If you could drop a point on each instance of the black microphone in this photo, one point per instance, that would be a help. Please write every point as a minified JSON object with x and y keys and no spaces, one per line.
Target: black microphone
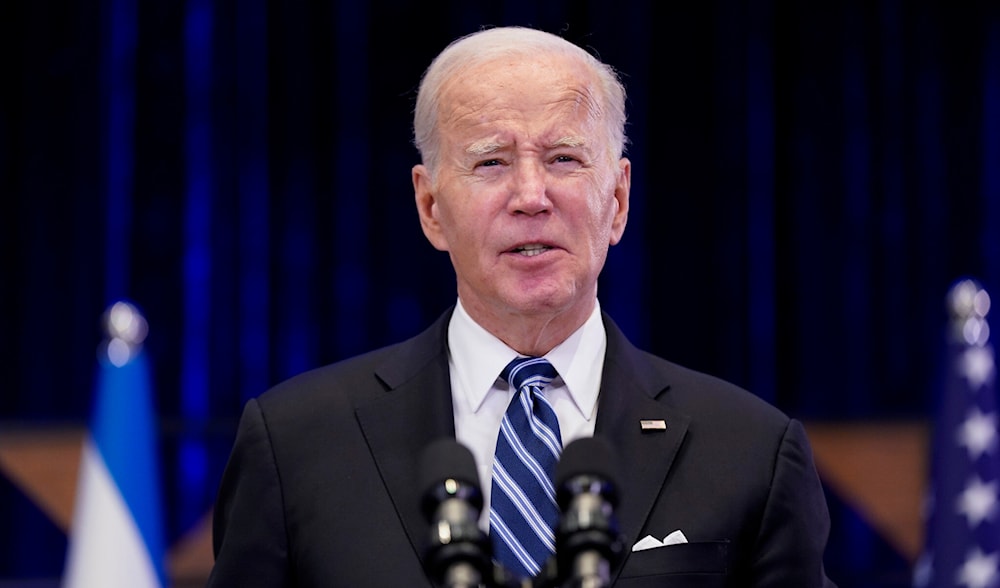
{"x":458,"y":555}
{"x":588,"y":544}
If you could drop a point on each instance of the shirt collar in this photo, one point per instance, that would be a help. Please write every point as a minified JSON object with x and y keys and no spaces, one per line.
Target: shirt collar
{"x":478,"y":357}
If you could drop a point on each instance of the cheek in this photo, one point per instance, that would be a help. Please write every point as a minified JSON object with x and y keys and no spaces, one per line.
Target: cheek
{"x":602,"y":213}
{"x":464,"y":232}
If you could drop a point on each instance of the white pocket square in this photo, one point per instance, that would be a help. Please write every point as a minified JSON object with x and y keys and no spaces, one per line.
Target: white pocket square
{"x":650,"y":542}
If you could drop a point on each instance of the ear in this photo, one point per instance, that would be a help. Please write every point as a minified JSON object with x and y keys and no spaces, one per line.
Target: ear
{"x":622,"y":187}
{"x":427,"y":207}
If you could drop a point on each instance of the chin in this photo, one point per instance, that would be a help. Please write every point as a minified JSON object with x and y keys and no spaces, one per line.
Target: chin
{"x":541,"y":302}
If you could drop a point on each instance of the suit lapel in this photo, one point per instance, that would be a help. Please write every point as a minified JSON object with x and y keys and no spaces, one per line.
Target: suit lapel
{"x":398,"y":425}
{"x":630,"y":388}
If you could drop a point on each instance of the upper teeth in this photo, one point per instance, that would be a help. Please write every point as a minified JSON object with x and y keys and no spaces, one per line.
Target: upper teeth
{"x":531,"y":250}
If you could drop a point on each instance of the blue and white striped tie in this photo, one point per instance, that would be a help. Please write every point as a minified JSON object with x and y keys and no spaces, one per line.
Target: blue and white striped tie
{"x":523,"y":510}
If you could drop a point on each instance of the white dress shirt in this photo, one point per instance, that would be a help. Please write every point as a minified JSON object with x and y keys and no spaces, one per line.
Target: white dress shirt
{"x":480,"y":397}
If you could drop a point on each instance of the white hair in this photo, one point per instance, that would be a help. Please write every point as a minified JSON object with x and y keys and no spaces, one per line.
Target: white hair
{"x":488,"y":44}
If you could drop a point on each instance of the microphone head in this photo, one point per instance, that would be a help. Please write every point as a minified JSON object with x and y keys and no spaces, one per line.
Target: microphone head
{"x":590,"y":461}
{"x":457,"y":548}
{"x":448,"y":469}
{"x":588,"y":545}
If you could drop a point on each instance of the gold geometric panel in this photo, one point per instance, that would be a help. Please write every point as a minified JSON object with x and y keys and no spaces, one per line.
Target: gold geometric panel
{"x":44,"y":464}
{"x":878,"y":468}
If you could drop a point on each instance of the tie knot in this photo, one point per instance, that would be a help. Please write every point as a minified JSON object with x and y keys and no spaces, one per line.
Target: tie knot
{"x":528,"y":371}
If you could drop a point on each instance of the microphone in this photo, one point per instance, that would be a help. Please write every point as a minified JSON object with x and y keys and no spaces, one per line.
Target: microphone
{"x":458,"y":555}
{"x":588,"y":545}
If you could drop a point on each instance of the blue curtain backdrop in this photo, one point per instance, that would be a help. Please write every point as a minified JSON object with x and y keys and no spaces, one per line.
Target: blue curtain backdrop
{"x":809,"y":179}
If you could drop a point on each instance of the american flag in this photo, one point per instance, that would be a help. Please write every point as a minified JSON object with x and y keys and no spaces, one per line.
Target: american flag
{"x":962,"y":545}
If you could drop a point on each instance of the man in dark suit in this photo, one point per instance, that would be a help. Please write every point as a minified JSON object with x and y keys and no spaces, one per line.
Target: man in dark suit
{"x":523,"y":182}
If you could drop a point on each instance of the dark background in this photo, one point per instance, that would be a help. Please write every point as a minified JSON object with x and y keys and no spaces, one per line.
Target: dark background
{"x":809,"y":179}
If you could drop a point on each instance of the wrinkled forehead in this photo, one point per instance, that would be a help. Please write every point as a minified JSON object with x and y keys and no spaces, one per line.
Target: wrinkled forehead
{"x":511,"y":87}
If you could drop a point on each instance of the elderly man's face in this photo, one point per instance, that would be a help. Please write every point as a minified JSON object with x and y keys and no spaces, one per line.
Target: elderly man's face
{"x":529,"y":193}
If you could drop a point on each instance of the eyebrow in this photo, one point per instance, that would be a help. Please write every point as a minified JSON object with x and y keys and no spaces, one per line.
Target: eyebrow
{"x":570,"y":141}
{"x":483,"y":147}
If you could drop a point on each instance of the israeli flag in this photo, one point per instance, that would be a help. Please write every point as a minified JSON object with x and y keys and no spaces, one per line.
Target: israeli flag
{"x":116,"y":538}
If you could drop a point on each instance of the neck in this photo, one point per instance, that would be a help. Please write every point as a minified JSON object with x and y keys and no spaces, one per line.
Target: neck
{"x":532,"y":334}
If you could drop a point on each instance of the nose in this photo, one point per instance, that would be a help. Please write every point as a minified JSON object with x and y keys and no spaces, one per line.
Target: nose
{"x":529,"y":193}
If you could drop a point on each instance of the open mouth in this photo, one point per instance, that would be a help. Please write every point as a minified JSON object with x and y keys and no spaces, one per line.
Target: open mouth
{"x":531,"y":250}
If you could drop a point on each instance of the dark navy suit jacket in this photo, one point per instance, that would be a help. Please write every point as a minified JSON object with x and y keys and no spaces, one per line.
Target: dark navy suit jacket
{"x":321,"y":487}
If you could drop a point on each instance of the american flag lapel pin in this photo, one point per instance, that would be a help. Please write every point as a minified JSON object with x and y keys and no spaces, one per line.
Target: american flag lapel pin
{"x":653,"y":425}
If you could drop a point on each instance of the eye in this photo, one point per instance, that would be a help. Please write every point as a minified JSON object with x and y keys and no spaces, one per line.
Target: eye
{"x":564,"y":159}
{"x":489,"y":163}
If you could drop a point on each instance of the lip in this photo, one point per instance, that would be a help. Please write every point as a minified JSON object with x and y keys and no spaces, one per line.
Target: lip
{"x":545,"y":245}
{"x":540,"y":247}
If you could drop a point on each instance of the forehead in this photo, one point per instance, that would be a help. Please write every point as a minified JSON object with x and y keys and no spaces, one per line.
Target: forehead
{"x":520,"y":90}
